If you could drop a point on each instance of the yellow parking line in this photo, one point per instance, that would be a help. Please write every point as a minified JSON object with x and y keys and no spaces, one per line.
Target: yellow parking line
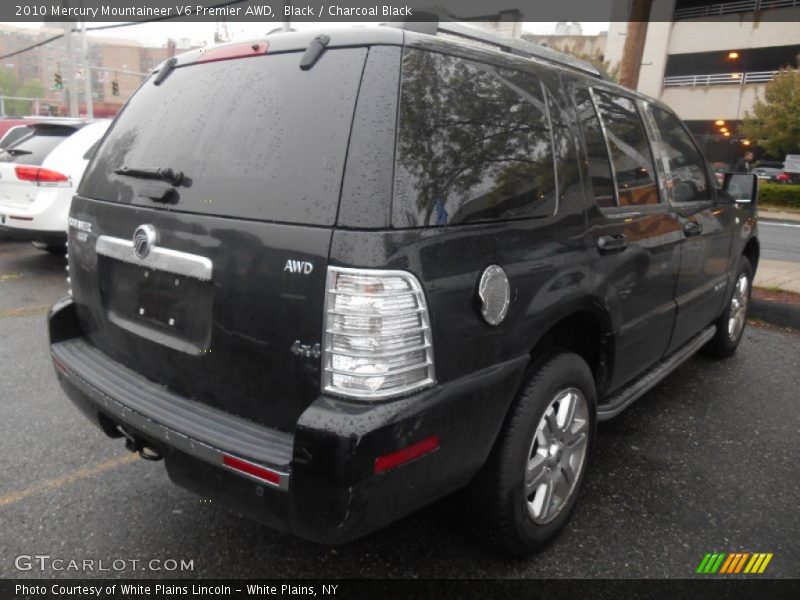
{"x":26,"y":311}
{"x":66,"y":479}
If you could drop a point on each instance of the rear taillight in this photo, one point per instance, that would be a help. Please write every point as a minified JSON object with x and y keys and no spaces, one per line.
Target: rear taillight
{"x":377,"y":341}
{"x":40,"y":175}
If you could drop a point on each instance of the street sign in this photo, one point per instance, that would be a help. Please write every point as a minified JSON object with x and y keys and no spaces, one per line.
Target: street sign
{"x":792,"y":163}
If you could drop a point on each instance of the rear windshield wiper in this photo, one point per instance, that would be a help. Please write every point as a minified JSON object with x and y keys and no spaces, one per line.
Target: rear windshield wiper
{"x":17,"y":151}
{"x":161,"y":174}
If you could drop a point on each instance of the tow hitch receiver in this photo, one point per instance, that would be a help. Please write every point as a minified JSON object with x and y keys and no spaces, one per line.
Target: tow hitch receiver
{"x":139,"y":446}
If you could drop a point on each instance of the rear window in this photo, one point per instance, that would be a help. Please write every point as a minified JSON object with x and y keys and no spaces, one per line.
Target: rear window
{"x":474,"y":144}
{"x":34,"y":148}
{"x":254,"y":138}
{"x":13,"y":135}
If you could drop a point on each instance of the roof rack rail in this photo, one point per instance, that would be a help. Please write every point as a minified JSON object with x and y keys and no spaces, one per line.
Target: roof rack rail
{"x":429,"y":23}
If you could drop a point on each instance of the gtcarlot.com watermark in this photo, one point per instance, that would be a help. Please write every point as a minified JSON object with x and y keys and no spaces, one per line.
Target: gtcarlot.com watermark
{"x":46,"y":562}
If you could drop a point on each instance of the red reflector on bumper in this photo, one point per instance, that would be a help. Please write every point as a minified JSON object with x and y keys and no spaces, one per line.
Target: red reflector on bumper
{"x":60,"y":365}
{"x":400,"y":457}
{"x":254,"y":470}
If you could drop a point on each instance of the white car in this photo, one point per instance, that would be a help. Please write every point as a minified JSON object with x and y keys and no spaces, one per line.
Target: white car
{"x":38,"y":177}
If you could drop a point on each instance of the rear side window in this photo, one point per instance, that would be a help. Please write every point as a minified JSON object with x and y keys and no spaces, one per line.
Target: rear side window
{"x":687,"y":167}
{"x":34,"y":148}
{"x":255,"y":138}
{"x":474,"y":144}
{"x":630,"y":150}
{"x":596,"y":150}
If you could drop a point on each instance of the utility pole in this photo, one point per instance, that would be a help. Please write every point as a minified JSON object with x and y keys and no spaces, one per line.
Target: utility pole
{"x":633,"y":50}
{"x":71,"y":80}
{"x":87,"y":73}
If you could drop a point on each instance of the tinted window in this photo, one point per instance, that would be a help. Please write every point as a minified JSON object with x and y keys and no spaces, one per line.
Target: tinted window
{"x":256,"y":137}
{"x":34,"y":148}
{"x":596,"y":150}
{"x":14,"y":134}
{"x":473,"y":144}
{"x":630,"y":150}
{"x":687,"y":167}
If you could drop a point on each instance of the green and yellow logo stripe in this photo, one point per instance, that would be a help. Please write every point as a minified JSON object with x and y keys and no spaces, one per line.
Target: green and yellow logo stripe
{"x":734,"y":563}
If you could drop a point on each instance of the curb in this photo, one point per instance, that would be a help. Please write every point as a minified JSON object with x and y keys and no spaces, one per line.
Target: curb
{"x":781,"y":222}
{"x":776,"y":313}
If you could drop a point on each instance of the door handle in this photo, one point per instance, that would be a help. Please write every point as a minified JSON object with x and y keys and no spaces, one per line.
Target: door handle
{"x":607,"y":244}
{"x":691,"y":228}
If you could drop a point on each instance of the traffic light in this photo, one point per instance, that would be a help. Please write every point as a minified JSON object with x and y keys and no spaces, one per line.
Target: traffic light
{"x":114,"y":87}
{"x":58,"y":82}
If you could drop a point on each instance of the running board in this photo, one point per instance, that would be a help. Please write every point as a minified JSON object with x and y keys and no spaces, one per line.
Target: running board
{"x":644,"y":383}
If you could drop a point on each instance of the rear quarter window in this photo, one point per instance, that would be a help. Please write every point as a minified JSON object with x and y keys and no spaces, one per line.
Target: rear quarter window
{"x":474,"y":144}
{"x":256,"y":138}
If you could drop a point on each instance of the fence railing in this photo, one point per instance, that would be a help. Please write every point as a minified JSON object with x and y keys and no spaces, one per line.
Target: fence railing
{"x":726,"y":8}
{"x":719,"y":79}
{"x":24,"y":105}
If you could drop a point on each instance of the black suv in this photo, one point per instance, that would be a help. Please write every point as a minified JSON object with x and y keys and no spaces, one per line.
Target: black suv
{"x":330,"y":278}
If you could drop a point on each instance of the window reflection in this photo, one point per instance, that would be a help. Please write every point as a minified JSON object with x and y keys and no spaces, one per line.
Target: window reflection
{"x":473,"y":144}
{"x":687,"y":168}
{"x":596,"y":151}
{"x":630,"y":150}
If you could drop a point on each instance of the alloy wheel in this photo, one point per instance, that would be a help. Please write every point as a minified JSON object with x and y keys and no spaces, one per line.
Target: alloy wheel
{"x":556,"y":456}
{"x":738,"y":311}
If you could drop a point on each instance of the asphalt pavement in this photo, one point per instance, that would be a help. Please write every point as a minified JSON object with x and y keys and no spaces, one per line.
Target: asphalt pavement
{"x":706,"y":462}
{"x":780,"y":240}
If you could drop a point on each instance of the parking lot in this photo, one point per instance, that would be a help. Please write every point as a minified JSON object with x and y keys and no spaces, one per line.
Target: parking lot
{"x":706,"y":462}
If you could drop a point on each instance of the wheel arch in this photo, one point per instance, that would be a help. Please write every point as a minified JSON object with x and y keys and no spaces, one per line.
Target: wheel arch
{"x":752,"y":251}
{"x":584,"y":328}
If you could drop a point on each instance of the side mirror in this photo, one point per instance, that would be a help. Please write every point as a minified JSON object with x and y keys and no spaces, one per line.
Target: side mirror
{"x":742,"y":187}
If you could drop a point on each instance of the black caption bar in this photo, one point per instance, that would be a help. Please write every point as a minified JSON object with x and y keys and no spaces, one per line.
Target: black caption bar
{"x":103,"y":11}
{"x":301,"y":10}
{"x":439,"y":589}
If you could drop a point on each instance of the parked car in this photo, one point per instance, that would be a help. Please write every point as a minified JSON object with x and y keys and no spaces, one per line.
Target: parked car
{"x":385,"y":266}
{"x":7,"y":124}
{"x":768,"y":173}
{"x":14,"y":129}
{"x":38,"y":177}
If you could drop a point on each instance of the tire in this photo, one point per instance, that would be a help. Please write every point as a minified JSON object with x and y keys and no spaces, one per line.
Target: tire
{"x":504,"y":513}
{"x":727,"y":339}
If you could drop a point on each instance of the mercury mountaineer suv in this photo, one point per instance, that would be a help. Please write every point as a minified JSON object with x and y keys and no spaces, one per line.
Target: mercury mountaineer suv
{"x":332,"y":277}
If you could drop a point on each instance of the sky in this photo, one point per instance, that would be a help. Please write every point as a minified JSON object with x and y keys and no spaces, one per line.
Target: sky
{"x":156,"y":34}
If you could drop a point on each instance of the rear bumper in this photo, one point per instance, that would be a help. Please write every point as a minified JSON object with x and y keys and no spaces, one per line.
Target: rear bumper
{"x":25,"y":234}
{"x":327,"y":488}
{"x":44,"y":219}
